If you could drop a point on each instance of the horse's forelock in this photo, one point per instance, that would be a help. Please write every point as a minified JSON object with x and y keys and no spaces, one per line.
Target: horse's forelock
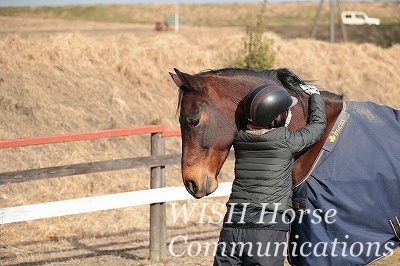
{"x":189,"y":84}
{"x":182,"y":91}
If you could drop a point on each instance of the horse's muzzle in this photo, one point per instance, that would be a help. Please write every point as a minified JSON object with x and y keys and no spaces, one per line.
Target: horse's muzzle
{"x":201,"y":189}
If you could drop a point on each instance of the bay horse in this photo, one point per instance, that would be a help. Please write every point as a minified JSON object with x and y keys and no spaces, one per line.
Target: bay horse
{"x":211,"y":112}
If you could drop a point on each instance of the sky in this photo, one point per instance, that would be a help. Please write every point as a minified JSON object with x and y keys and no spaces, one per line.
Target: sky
{"x":95,"y":2}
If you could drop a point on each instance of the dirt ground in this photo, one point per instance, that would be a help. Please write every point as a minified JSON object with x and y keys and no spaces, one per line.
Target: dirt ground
{"x":107,"y":237}
{"x":127,"y":247}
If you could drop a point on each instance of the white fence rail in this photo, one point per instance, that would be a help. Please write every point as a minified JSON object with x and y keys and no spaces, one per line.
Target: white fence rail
{"x":101,"y":203}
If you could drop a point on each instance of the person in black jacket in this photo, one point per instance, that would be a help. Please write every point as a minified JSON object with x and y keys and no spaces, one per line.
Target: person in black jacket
{"x":258,"y":210}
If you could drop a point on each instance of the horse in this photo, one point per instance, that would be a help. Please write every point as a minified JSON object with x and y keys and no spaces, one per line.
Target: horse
{"x":211,"y":112}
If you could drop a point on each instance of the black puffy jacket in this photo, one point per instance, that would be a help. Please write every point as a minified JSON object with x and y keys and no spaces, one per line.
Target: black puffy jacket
{"x":263,"y":166}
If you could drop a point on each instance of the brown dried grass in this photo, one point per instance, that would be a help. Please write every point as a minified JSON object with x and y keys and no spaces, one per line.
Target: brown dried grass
{"x":73,"y":82}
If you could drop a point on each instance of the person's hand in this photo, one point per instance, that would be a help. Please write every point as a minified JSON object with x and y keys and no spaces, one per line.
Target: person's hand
{"x":309,"y":89}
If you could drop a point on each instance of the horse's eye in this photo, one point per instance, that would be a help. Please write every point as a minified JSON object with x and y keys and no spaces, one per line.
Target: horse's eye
{"x":193,"y":121}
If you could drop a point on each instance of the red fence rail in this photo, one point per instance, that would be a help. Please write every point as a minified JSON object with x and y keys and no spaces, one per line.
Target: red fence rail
{"x":87,"y":136}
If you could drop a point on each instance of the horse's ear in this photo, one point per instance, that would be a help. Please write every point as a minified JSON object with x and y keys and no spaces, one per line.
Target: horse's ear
{"x":186,"y":81}
{"x":176,"y":79}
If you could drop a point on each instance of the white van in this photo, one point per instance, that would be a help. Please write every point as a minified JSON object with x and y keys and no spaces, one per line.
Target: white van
{"x":358,"y":18}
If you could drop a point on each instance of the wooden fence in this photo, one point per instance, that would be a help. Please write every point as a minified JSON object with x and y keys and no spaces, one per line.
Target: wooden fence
{"x":156,"y":196}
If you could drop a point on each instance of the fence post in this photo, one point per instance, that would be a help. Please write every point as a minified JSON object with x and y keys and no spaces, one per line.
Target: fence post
{"x":163,"y":211}
{"x":157,"y":210}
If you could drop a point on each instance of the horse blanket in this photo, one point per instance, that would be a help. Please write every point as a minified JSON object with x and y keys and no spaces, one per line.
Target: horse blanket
{"x":355,"y":181}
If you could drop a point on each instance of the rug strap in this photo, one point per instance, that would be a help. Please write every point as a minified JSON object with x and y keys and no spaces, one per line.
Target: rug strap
{"x":395,"y":224}
{"x":336,"y":130}
{"x":330,"y":142}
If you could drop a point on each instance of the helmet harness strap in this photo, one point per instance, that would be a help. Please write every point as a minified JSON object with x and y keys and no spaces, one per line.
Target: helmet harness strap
{"x":288,"y":118}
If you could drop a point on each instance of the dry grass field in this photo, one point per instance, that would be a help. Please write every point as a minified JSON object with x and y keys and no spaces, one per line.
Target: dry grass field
{"x":63,"y":76}
{"x":290,"y":20}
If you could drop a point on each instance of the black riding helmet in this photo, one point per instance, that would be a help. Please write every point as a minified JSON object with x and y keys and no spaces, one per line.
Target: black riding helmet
{"x":266,"y":102}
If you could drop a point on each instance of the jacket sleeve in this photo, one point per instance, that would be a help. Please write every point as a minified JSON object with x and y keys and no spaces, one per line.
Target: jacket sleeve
{"x":314,"y":130}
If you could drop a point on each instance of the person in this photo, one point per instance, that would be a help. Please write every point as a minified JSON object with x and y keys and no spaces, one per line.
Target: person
{"x":257,"y":218}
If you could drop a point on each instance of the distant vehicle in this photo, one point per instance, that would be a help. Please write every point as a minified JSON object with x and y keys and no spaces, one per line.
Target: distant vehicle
{"x":358,"y":18}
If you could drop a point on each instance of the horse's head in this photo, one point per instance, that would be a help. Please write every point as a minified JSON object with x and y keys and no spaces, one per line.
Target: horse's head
{"x":211,"y":113}
{"x":208,"y":124}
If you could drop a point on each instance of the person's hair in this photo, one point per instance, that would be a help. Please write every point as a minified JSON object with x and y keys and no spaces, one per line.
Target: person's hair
{"x":279,"y":121}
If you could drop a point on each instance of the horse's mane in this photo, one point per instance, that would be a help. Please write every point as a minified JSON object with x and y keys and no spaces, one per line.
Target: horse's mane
{"x":283,"y":76}
{"x":271,"y":74}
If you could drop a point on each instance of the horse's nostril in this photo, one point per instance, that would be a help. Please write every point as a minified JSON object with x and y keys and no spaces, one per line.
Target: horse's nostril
{"x":207,"y":185}
{"x":190,"y":186}
{"x":200,"y":190}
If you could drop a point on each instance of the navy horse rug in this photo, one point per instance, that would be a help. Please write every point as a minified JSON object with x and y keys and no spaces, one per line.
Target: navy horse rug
{"x":348,"y":205}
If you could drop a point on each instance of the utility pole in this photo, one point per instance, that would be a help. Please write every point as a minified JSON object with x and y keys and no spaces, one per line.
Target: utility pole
{"x":342,"y":28}
{"x":331,"y":21}
{"x":177,"y":17}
